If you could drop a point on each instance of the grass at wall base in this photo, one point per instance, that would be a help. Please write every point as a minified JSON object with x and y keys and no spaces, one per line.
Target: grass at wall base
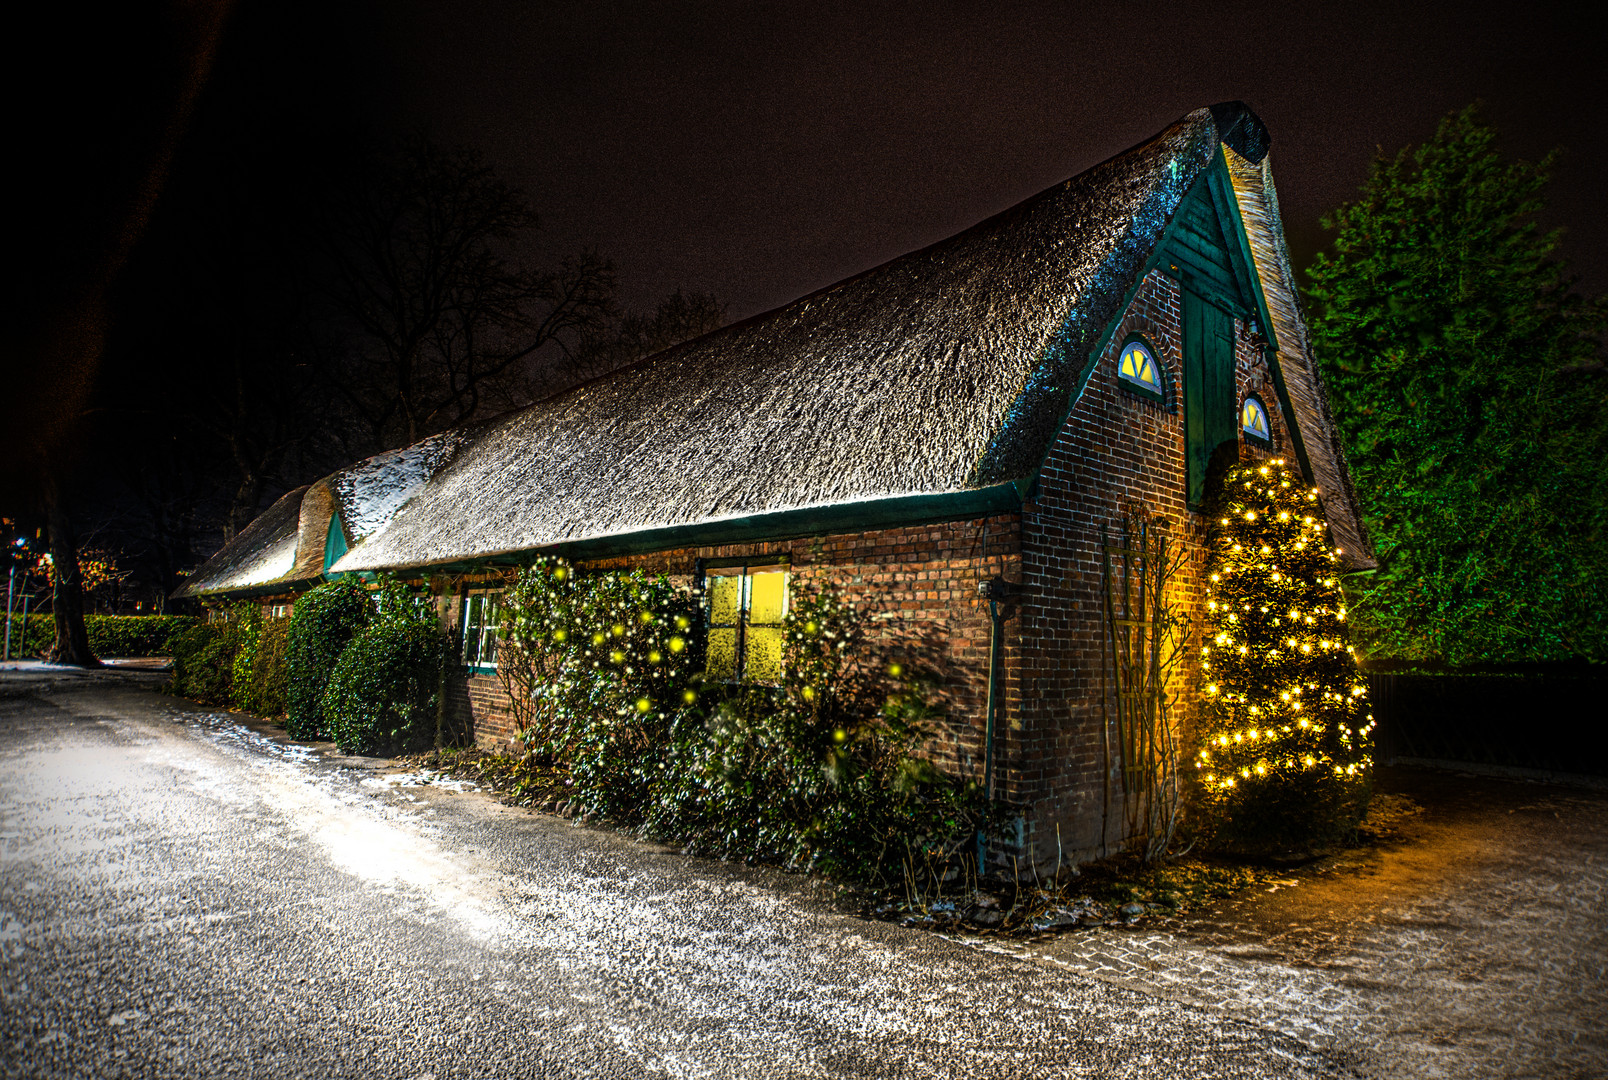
{"x":1284,"y":762}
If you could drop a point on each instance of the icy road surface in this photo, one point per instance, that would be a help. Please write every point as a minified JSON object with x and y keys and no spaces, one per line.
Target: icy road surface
{"x":183,"y":896}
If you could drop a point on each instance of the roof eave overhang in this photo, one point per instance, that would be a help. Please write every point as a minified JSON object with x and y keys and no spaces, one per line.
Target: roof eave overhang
{"x":904,"y":510}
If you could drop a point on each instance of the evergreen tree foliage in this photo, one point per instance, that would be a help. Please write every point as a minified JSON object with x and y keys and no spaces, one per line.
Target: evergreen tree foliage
{"x":1466,"y":380}
{"x":1284,"y":759}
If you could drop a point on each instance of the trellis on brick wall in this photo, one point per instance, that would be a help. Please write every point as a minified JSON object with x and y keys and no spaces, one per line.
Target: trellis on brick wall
{"x":1144,"y":643}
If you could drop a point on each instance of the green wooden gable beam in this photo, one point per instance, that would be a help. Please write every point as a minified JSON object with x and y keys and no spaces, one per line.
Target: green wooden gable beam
{"x":1229,"y":208}
{"x":1215,"y":185}
{"x":335,"y":545}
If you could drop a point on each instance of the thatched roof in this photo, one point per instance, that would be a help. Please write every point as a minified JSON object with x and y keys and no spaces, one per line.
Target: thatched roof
{"x":365,"y":496}
{"x":262,"y":554}
{"x":931,"y":386}
{"x":944,"y":373}
{"x":1259,"y":210}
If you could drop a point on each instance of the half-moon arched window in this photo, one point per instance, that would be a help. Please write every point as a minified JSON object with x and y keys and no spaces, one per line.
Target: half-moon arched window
{"x":1138,"y":368}
{"x":1253,"y":421}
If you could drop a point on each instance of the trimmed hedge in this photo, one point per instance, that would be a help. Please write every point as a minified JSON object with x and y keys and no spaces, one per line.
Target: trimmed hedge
{"x":109,"y":635}
{"x":384,"y":692}
{"x":203,"y":662}
{"x":322,"y":624}
{"x":270,"y":678}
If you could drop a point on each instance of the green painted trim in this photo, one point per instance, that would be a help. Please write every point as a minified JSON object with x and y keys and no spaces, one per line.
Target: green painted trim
{"x":335,"y":544}
{"x":815,"y":521}
{"x":272,"y":588}
{"x":1004,"y":498}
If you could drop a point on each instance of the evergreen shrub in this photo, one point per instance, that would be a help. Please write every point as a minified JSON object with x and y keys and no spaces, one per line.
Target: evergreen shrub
{"x":383,"y":695}
{"x":1285,"y":734}
{"x":109,"y":635}
{"x":204,"y":662}
{"x":247,"y":620}
{"x":322,"y":624}
{"x":270,"y":678}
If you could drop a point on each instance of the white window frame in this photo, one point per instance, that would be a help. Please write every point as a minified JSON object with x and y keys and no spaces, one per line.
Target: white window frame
{"x":477,"y":631}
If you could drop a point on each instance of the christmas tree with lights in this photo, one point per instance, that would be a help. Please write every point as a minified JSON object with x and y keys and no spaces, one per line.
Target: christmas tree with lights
{"x":1285,"y":733}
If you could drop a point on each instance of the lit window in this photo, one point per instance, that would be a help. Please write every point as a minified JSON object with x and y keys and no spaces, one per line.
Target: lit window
{"x":746,"y":608}
{"x":482,"y":615}
{"x":1138,"y":368}
{"x":279,"y":611}
{"x":1253,"y":421}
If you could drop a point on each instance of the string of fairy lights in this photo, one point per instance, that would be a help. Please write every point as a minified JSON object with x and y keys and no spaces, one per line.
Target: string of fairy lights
{"x":1284,"y":698}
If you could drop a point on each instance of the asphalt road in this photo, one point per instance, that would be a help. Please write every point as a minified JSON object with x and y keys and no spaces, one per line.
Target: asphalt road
{"x":182,"y":895}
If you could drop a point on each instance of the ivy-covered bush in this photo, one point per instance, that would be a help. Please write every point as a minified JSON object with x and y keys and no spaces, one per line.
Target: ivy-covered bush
{"x":204,"y":662}
{"x":383,"y":695}
{"x":269,"y":675}
{"x":109,"y":635}
{"x":247,"y":620}
{"x":598,"y":669}
{"x":1285,"y":735}
{"x":322,"y":624}
{"x":821,"y":771}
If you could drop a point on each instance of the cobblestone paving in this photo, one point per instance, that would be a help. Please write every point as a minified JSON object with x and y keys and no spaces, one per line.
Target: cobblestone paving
{"x":1478,"y":946}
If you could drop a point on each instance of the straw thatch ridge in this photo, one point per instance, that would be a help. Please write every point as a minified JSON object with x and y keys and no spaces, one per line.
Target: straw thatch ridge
{"x":1259,"y":211}
{"x":363,"y":497}
{"x":945,"y":371}
{"x":261,"y":554}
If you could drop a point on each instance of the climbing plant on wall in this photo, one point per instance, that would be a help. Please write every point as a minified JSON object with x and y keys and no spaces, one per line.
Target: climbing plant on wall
{"x":1285,"y":751}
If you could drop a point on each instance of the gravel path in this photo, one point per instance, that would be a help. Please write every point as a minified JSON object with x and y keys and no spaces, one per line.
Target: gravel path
{"x":181,"y":895}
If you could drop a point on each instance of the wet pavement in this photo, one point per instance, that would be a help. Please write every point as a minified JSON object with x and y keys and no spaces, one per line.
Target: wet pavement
{"x":1471,"y":941}
{"x":186,"y":894}
{"x":181,"y":895}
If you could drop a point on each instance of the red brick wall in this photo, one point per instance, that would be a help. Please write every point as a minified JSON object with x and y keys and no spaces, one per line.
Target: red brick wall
{"x":1116,"y":450}
{"x":916,"y":587}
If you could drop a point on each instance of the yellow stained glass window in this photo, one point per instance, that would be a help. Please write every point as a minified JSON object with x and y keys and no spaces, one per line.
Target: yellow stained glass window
{"x":767,"y":597}
{"x":722,"y":653}
{"x":1253,"y":418}
{"x":746,"y":609}
{"x":725,"y":599}
{"x":1139,"y":366}
{"x":762,"y":654}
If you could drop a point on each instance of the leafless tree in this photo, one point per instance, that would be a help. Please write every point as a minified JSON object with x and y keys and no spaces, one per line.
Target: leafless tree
{"x":679,"y":317}
{"x":444,"y":320}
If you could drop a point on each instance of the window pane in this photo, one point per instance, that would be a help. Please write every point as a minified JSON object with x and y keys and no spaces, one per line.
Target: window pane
{"x":725,"y":599}
{"x":767,"y":597}
{"x":763,"y":660}
{"x":723,"y":654}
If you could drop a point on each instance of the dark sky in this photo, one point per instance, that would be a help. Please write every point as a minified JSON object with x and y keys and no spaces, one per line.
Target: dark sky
{"x":760,"y":151}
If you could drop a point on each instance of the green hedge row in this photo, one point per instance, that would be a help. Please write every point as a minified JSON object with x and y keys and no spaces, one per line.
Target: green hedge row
{"x":239,"y":663}
{"x":357,"y":666}
{"x":109,"y":635}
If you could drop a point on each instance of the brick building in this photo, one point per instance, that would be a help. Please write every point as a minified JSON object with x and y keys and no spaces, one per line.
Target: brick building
{"x":985,"y":410}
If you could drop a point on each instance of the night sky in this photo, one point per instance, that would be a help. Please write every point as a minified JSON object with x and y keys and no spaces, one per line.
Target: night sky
{"x":760,"y":151}
{"x":756,"y":152}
